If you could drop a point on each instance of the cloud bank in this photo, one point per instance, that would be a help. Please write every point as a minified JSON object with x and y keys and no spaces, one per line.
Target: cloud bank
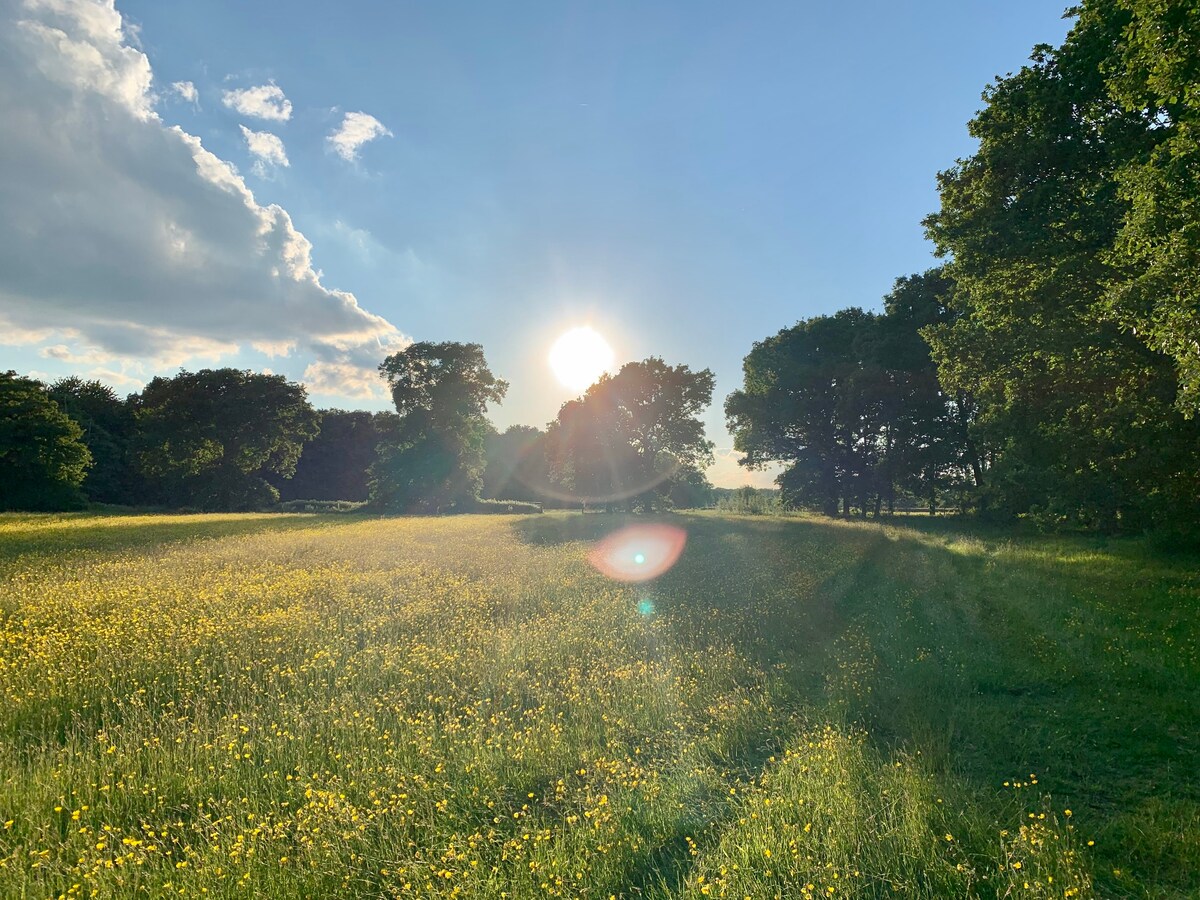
{"x":357,"y":128}
{"x":125,"y":237}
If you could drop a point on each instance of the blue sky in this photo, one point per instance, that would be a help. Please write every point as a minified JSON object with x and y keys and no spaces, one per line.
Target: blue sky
{"x":686,"y":177}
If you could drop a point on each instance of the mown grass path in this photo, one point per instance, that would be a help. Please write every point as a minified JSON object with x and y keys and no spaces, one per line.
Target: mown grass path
{"x":333,"y":706}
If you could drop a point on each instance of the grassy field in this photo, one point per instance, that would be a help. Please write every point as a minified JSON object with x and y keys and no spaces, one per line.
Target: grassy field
{"x":301,"y":706}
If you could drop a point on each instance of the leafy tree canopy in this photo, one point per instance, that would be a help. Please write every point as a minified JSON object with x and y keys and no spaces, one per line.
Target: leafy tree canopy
{"x":107,"y":423}
{"x":447,"y":381}
{"x":631,"y":432}
{"x":852,"y":403}
{"x":1151,"y":69}
{"x":432,"y":456}
{"x":1057,"y":320}
{"x":208,"y":438}
{"x":517,"y":467}
{"x":42,"y":455}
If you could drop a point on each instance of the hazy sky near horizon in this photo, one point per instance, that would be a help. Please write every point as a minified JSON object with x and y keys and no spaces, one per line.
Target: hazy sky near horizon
{"x":305,"y":188}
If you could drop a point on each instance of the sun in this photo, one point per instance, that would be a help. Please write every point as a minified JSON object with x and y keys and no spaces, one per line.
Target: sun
{"x":579,"y":357}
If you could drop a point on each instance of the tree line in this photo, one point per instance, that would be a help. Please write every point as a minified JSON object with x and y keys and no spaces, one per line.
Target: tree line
{"x":1048,"y":368}
{"x":228,"y":439}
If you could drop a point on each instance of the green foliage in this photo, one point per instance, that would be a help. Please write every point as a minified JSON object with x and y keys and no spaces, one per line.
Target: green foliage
{"x":431,"y":457}
{"x":689,"y":488}
{"x":631,"y":434}
{"x":851,"y":402}
{"x":320,"y":506}
{"x":450,"y":381}
{"x":209,"y":439}
{"x":108,"y":428}
{"x":1077,"y":403}
{"x":517,"y":467}
{"x":1152,"y":69}
{"x":43,"y":459}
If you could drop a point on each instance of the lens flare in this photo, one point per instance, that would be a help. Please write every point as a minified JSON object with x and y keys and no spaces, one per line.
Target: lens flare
{"x":638,"y":552}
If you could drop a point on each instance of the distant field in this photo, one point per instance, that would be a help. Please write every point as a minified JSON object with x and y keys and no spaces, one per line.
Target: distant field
{"x":303,"y":706}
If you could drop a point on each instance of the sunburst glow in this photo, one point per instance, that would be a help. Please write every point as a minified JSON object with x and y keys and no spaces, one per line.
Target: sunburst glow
{"x":579,"y":357}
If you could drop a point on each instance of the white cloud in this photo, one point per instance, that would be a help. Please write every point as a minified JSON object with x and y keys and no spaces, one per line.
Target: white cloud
{"x":133,"y":240}
{"x":117,"y":379}
{"x":12,"y":336}
{"x":352,"y":371}
{"x":186,"y":91}
{"x":344,"y":380}
{"x":274,"y":348}
{"x":356,"y":129}
{"x":61,"y":352}
{"x":265,"y":101}
{"x":267,"y":147}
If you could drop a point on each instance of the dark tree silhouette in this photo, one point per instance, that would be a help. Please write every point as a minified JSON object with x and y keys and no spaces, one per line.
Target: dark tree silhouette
{"x":631,"y":433}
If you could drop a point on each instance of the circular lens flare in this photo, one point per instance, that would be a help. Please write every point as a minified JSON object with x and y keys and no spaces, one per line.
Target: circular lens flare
{"x":638,"y":552}
{"x":579,"y":357}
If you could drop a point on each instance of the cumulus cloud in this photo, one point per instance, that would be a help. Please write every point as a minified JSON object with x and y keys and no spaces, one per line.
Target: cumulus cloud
{"x":117,"y":379}
{"x":344,"y":380}
{"x":133,"y":240}
{"x":267,"y":147}
{"x":357,"y":128}
{"x":265,"y":101}
{"x":185,"y":90}
{"x":352,"y":371}
{"x":63,"y":353}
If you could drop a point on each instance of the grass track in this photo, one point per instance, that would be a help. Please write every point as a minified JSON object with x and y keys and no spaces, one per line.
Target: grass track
{"x":313,"y":706}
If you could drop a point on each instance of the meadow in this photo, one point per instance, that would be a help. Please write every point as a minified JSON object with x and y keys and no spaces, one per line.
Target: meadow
{"x":322,"y":706}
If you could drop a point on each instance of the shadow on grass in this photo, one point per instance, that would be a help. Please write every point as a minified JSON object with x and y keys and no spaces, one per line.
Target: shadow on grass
{"x":993,"y":653}
{"x":557,"y":528}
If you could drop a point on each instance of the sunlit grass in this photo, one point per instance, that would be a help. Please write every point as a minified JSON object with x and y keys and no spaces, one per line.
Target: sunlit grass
{"x":324,"y":706}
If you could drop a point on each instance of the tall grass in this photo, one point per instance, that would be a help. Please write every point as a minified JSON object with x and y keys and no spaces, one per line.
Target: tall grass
{"x":310,"y":706}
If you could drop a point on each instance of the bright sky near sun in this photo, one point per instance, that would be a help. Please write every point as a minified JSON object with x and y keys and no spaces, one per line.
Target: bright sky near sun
{"x":218,"y":183}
